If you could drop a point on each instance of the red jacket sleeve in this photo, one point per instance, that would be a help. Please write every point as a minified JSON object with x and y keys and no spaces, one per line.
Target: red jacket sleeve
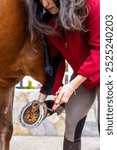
{"x":51,"y":84}
{"x":91,"y":66}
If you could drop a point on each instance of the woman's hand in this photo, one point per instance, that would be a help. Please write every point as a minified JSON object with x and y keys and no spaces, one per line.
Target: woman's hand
{"x":63,"y":94}
{"x":42,"y":97}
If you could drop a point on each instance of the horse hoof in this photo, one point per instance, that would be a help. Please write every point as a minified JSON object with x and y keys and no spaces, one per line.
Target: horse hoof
{"x":32,"y":114}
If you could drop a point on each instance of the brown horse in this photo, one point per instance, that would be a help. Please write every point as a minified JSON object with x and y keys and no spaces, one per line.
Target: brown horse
{"x":18,"y":57}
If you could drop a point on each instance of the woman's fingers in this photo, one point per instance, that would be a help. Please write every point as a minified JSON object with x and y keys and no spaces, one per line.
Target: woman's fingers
{"x":57,"y":93}
{"x":63,"y":94}
{"x":60,"y":88}
{"x":59,"y":98}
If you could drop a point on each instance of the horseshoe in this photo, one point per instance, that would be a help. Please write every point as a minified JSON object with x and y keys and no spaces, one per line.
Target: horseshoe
{"x":32,"y":114}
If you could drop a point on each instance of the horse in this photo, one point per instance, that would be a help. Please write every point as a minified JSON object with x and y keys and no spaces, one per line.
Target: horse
{"x":19,"y":56}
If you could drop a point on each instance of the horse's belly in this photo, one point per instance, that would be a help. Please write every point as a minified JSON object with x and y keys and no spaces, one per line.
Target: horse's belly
{"x":11,"y":69}
{"x":16,"y":56}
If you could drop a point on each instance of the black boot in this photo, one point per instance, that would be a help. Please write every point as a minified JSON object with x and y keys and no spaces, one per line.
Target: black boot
{"x":67,"y":145}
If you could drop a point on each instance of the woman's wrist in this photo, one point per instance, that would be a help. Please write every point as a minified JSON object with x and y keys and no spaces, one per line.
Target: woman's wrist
{"x":42,"y":97}
{"x":77,"y":81}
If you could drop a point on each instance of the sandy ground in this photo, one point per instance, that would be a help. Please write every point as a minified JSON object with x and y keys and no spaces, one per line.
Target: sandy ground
{"x":49,"y":143}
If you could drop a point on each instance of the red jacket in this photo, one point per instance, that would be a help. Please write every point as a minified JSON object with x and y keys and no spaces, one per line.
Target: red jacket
{"x":83,"y":51}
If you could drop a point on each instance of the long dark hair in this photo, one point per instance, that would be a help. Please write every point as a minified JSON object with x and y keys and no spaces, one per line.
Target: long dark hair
{"x":73,"y":13}
{"x":36,"y":26}
{"x":71,"y":16}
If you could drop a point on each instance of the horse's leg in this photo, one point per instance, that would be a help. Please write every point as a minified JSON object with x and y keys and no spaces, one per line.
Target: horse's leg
{"x":6,"y":107}
{"x":6,"y":125}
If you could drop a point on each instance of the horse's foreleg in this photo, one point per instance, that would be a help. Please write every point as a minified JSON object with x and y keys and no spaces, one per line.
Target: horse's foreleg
{"x":6,"y":124}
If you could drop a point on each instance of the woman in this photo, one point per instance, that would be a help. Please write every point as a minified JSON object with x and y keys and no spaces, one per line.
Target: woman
{"x":72,"y":33}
